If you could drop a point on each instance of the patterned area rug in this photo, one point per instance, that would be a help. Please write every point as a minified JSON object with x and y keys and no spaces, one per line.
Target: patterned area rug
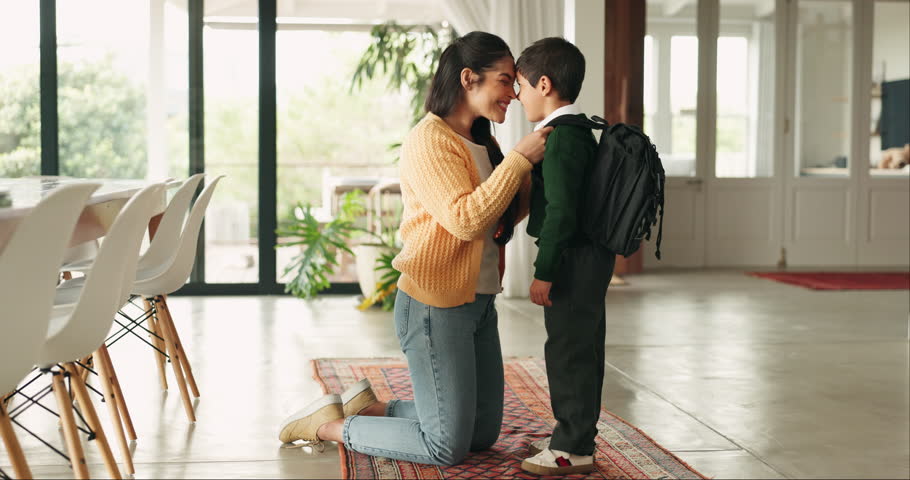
{"x":841,"y":280}
{"x":622,"y":451}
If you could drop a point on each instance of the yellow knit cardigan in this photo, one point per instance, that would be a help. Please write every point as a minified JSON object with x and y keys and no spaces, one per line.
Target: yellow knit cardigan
{"x":447,"y":211}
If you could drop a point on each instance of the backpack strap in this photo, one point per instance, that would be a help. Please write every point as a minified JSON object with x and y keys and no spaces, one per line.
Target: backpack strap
{"x":660,"y":228}
{"x":594,"y":123}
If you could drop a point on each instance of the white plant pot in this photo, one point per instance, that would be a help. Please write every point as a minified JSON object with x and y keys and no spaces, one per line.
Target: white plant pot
{"x":365,"y":257}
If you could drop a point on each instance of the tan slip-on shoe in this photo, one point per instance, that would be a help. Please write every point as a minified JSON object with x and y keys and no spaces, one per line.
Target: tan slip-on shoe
{"x":357,"y":397}
{"x":303,"y":424}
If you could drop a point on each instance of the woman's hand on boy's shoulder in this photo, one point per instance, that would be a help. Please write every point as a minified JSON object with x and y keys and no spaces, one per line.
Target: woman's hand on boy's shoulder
{"x":533,"y":145}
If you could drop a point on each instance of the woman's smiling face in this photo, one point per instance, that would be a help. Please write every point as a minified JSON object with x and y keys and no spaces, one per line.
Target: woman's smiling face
{"x":489,"y":93}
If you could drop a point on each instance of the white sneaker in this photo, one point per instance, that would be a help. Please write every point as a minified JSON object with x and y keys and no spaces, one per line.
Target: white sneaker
{"x":556,"y":462}
{"x":538,"y":446}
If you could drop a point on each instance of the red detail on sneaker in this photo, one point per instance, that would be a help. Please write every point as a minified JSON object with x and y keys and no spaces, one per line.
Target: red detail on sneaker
{"x":563,"y":462}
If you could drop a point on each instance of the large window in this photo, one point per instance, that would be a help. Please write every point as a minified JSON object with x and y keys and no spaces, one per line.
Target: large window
{"x":745,"y":90}
{"x":671,"y":86}
{"x":124,"y":98}
{"x":119,"y":83}
{"x":231,"y":59}
{"x":683,"y":96}
{"x":733,"y":122}
{"x":20,"y":100}
{"x":745,"y":87}
{"x":824,"y":72}
{"x":331,"y":139}
{"x":889,"y":145}
{"x":650,"y":85}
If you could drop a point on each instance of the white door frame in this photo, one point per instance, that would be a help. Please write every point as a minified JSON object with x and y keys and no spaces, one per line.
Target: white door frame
{"x":684,"y":228}
{"x":720,"y":221}
{"x":820,"y":213}
{"x":859,"y":220}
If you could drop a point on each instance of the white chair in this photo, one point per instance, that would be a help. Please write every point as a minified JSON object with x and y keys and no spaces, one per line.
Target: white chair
{"x":163,"y":250}
{"x":168,"y":276}
{"x":167,"y":235}
{"x":78,"y":327}
{"x":165,"y":277}
{"x":163,"y":269}
{"x":28,"y":276}
{"x":163,"y":243}
{"x":81,"y":252}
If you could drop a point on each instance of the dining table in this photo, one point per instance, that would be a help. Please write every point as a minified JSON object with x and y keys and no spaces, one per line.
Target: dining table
{"x":21,"y":194}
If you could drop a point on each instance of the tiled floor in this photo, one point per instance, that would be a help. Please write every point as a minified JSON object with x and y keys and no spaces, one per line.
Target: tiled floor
{"x":741,"y":377}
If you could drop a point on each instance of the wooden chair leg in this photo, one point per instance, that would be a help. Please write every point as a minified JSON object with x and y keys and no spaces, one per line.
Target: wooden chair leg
{"x":88,"y":409}
{"x":16,"y":457}
{"x":73,"y":444}
{"x":184,"y":360}
{"x":159,"y":344}
{"x":114,"y":412}
{"x":88,"y":361}
{"x":176,"y":365}
{"x":118,"y":392}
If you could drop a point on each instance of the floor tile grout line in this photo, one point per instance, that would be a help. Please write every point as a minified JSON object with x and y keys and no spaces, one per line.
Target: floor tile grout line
{"x":675,"y":345}
{"x":694,"y":417}
{"x":648,"y":389}
{"x":707,"y":450}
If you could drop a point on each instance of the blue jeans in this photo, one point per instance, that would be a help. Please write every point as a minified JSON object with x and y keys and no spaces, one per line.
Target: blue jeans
{"x":456,"y":371}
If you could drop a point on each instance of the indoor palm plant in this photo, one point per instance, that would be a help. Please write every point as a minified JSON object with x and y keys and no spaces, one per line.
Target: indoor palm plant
{"x":320,"y":244}
{"x":407,"y":56}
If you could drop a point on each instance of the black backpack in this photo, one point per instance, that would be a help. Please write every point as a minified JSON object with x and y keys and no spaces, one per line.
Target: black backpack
{"x":625,"y":191}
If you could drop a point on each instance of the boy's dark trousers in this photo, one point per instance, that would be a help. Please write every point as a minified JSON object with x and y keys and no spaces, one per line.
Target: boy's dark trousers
{"x":576,"y":330}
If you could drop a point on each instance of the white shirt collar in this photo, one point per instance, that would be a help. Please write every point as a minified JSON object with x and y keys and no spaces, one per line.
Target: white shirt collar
{"x":570,"y":109}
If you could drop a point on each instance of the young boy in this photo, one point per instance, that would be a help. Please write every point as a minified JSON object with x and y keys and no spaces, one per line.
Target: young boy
{"x":571,"y":273}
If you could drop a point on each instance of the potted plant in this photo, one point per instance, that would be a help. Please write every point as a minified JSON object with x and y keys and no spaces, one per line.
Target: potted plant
{"x":320,"y":244}
{"x":408,"y":55}
{"x":377,"y":277}
{"x":386,"y":285}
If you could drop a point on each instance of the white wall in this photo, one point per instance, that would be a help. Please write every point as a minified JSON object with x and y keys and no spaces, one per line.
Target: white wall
{"x":584,"y":26}
{"x":891,"y":41}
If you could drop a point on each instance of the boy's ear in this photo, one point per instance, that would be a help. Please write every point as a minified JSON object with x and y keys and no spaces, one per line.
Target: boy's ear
{"x":468,"y":78}
{"x":544,"y":85}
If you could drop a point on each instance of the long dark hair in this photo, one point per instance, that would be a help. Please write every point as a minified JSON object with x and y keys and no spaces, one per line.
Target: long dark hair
{"x":477,"y":51}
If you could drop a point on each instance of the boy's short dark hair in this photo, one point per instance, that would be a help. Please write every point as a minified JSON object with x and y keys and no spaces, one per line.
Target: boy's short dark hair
{"x":559,"y":60}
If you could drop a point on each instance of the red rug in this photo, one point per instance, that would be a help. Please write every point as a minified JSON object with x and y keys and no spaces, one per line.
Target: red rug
{"x":622,"y":451}
{"x":841,"y":280}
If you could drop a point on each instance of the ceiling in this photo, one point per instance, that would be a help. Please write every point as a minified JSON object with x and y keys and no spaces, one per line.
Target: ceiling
{"x":352,"y":11}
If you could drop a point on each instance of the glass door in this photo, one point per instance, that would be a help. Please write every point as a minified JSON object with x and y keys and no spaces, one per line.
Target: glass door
{"x":671,"y":120}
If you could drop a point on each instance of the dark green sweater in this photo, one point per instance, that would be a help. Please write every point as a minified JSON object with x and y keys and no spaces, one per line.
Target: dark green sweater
{"x":557,"y":189}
